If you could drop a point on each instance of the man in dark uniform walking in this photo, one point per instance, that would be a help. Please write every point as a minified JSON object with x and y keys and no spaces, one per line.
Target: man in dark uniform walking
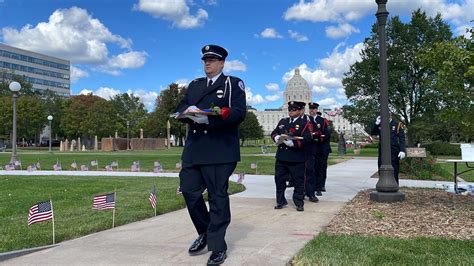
{"x":291,"y":135}
{"x":397,"y":143}
{"x":211,"y":151}
{"x":322,"y":137}
{"x":310,"y":159}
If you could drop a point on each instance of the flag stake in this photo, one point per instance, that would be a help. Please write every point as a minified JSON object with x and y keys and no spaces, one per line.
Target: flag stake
{"x":52,"y":210}
{"x":113,"y":211}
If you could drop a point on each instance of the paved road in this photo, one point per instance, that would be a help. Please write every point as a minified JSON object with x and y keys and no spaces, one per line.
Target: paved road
{"x":257,"y":235}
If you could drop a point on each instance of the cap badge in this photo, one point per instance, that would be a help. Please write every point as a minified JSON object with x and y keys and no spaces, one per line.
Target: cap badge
{"x":207,"y":47}
{"x":241,"y":85}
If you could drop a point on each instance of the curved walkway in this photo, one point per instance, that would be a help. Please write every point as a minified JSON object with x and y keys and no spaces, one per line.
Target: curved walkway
{"x":257,"y":235}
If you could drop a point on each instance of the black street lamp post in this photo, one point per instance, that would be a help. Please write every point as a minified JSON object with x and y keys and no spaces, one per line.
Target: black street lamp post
{"x":387,"y":187}
{"x":50,"y":118}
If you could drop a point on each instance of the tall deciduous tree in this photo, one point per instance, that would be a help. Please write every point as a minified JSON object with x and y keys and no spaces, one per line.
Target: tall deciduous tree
{"x":166,"y":103}
{"x":129,"y":108}
{"x":250,"y":128}
{"x":410,"y":96}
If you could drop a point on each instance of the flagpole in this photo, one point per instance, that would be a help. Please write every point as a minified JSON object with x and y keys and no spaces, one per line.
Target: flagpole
{"x":256,"y":168}
{"x":113,"y":211}
{"x":97,"y":165}
{"x":52,"y":210}
{"x":156,"y":200}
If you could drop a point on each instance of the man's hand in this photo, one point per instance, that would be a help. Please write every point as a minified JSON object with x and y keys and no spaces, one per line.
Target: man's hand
{"x":191,"y":108}
{"x":289,"y":143}
{"x":378,"y":120}
{"x":277,"y":137}
{"x":200,"y":119}
{"x":401,"y":155}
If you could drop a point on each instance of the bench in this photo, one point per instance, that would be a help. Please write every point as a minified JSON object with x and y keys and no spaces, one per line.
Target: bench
{"x":470,"y":168}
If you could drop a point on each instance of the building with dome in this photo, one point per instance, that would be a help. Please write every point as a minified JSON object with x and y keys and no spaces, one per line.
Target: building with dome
{"x":297,"y":89}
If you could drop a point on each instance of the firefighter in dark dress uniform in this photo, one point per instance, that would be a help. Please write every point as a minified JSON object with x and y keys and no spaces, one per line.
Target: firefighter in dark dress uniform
{"x":322,"y":137}
{"x":310,"y":160}
{"x":211,"y":151}
{"x":291,"y":134}
{"x":397,"y":143}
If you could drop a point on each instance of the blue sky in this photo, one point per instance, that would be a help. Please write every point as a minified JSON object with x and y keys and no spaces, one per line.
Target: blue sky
{"x":142,"y":46}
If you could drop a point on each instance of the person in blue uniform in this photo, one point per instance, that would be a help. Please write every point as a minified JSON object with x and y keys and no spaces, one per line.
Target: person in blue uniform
{"x":397,"y":143}
{"x":211,"y":150}
{"x":322,"y":139}
{"x":291,"y":134}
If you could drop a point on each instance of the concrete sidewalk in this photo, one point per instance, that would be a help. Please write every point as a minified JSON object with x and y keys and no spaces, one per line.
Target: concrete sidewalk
{"x":257,"y":235}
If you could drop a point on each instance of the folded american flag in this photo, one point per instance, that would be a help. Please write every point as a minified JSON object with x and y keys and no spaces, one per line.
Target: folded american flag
{"x":40,"y":212}
{"x":103,"y":202}
{"x":152,"y":197}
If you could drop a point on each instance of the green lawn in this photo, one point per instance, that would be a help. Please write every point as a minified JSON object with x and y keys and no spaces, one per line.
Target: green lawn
{"x":449,"y":167}
{"x":359,"y":250}
{"x":72,"y":202}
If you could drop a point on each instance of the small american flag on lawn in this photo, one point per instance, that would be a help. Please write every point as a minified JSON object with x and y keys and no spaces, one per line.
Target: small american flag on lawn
{"x":152,"y":197}
{"x":178,"y":190}
{"x":103,"y":202}
{"x":74,"y":165}
{"x":108,"y":168}
{"x":253,"y":166}
{"x":114,"y":163}
{"x":135,"y":168}
{"x":84,"y":167}
{"x":17,"y":163}
{"x":31,"y":167}
{"x":94,"y":163}
{"x":40,"y":212}
{"x":38,"y":165}
{"x":57,"y":167}
{"x":9,"y":167}
{"x":241,"y":178}
{"x":178,"y":165}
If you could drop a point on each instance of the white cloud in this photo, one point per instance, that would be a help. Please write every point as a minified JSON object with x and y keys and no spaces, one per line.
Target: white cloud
{"x":344,"y":11}
{"x":253,"y":99}
{"x":176,"y":11}
{"x":273,"y":98}
{"x":342,"y":30}
{"x":148,"y":98}
{"x":182,"y":82}
{"x":328,"y":103}
{"x":320,"y":89}
{"x":270,"y":33}
{"x":77,"y":73}
{"x":297,"y":36}
{"x":326,"y":78}
{"x":272,"y":87}
{"x":75,"y":35}
{"x":234,"y":65}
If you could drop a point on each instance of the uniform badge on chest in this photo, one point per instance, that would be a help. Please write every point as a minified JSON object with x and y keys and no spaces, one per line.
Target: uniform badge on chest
{"x":281,"y":126}
{"x":297,"y":127}
{"x":319,"y":125}
{"x":220,"y":94}
{"x":393,"y":128}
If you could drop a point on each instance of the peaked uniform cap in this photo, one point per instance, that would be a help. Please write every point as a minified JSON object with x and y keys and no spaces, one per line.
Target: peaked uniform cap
{"x":213,"y":51}
{"x":295,"y":104}
{"x":313,"y":105}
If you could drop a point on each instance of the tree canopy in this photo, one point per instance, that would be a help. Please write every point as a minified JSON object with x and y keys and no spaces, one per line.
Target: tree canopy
{"x":427,"y":73}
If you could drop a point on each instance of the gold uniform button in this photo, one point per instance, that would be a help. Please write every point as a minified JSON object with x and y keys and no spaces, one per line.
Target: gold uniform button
{"x":194,"y":131}
{"x":205,"y":131}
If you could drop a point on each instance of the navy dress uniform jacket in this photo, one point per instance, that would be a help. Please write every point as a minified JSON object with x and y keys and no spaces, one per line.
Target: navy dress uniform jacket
{"x":397,"y":137}
{"x":299,"y":128}
{"x":217,"y":142}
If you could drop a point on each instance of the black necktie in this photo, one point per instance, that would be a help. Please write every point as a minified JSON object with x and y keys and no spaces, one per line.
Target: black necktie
{"x":210,"y":83}
{"x":291,"y":121}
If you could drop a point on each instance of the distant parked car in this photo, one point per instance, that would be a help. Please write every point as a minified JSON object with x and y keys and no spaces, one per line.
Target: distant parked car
{"x":45,"y":143}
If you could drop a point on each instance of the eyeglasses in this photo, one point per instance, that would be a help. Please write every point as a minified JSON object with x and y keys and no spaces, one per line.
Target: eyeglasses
{"x":292,"y":109}
{"x":209,"y":60}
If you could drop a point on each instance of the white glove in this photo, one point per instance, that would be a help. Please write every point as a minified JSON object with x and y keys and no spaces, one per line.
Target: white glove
{"x":200,"y":119}
{"x":191,"y":108}
{"x":378,"y":120}
{"x":277,"y":137}
{"x":401,"y":155}
{"x":289,"y":143}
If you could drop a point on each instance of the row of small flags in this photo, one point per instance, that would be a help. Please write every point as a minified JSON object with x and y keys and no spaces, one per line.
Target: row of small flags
{"x":157,"y":168}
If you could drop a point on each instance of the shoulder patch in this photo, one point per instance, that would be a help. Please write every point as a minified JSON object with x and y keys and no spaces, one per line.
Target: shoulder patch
{"x":241,"y":85}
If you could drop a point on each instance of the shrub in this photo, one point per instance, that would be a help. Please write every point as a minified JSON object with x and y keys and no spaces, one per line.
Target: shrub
{"x":371,"y":145}
{"x":443,"y":148}
{"x":421,"y":168}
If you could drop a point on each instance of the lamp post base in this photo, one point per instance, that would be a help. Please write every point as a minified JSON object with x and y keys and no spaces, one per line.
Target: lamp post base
{"x":387,"y":196}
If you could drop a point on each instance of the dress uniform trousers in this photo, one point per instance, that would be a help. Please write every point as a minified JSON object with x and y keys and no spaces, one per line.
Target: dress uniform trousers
{"x":310,"y":175}
{"x":296,"y":171}
{"x":215,"y":177}
{"x":395,"y":163}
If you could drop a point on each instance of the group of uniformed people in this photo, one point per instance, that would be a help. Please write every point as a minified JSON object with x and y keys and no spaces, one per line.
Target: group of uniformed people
{"x":302,"y":154}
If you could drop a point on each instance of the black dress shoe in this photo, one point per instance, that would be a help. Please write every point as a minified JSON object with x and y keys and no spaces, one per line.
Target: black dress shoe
{"x":217,"y":257}
{"x":290,"y":184}
{"x":318,"y":193}
{"x":280,"y":205}
{"x":323,"y":189}
{"x":300,"y":208}
{"x":313,"y":199}
{"x":198,"y":245}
